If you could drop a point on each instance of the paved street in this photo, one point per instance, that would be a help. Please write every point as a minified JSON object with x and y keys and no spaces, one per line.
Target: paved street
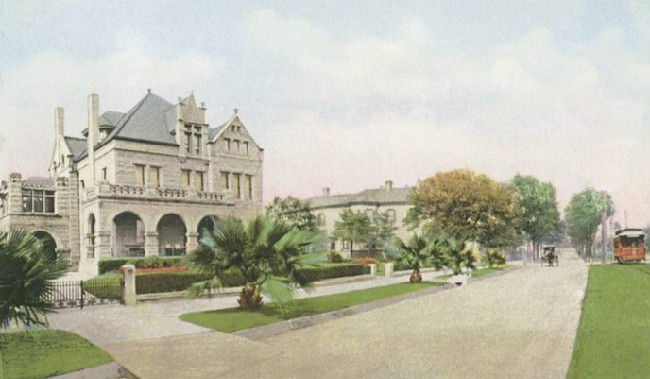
{"x":518,"y":325}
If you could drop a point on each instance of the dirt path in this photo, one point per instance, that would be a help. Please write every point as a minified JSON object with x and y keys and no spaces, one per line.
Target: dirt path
{"x":518,"y":325}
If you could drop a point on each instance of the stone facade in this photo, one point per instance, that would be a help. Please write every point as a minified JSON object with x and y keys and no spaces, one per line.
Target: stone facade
{"x":141,"y":183}
{"x":385,"y":200}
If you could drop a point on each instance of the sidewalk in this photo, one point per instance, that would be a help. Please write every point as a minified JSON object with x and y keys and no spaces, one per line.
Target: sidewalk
{"x":108,"y":324}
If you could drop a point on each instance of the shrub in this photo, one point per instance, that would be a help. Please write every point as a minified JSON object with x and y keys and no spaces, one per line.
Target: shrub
{"x":334,"y":257}
{"x":494,"y":257}
{"x":113,"y":264}
{"x":330,"y":271}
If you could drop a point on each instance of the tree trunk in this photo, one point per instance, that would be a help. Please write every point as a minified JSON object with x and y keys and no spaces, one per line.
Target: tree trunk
{"x":415,"y":276}
{"x":250,"y":298}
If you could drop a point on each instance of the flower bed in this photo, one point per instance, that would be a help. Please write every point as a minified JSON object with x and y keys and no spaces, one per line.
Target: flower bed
{"x":161,"y":269}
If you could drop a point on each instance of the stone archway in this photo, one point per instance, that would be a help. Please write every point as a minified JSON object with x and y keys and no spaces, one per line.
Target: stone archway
{"x":172,"y":238}
{"x":128,"y":235}
{"x":207,"y":223}
{"x":46,"y":238}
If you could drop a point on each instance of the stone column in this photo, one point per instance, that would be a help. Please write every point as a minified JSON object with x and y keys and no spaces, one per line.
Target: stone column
{"x":128,"y":291}
{"x":103,"y":247}
{"x":192,"y":242}
{"x":388,"y":270}
{"x":151,"y":246}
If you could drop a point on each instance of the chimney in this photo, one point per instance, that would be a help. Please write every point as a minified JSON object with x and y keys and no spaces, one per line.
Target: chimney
{"x":93,"y":132}
{"x":58,"y":122}
{"x":326,"y":191}
{"x":389,"y":185}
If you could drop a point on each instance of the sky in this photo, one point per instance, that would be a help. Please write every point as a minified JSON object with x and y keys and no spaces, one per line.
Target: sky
{"x":346,"y":94}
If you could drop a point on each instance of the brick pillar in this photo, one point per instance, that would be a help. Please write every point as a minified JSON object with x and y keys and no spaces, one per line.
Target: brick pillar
{"x":192,"y":242}
{"x":388,"y":269}
{"x":15,"y":203}
{"x":151,"y":246}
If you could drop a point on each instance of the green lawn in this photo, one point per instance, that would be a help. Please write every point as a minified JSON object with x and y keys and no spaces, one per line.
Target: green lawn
{"x":232,"y":320}
{"x":613,"y":339}
{"x":47,"y":353}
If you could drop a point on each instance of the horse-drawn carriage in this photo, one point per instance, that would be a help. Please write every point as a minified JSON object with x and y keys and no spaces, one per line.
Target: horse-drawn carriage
{"x":549,"y":256}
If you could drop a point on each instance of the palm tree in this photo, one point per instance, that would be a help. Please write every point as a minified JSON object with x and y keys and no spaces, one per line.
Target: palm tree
{"x":458,"y":254}
{"x":267,"y":254}
{"x":28,"y":266}
{"x":416,"y":252}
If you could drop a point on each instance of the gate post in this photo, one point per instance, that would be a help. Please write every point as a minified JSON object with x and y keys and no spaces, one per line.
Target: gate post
{"x":128,"y":290}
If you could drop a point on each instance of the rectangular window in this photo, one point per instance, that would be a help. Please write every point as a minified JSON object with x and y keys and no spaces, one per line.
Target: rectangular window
{"x":237,"y":184}
{"x":38,"y":201}
{"x":27,"y":201}
{"x":249,"y":187}
{"x":185,"y":178}
{"x":139,"y":175}
{"x":104,"y":174}
{"x":186,"y":141}
{"x":225,"y":183}
{"x":197,"y":144}
{"x":246,"y":147}
{"x":198,"y":180}
{"x":236,"y":145}
{"x":227,"y":141}
{"x":154,"y":176}
{"x":49,"y":202}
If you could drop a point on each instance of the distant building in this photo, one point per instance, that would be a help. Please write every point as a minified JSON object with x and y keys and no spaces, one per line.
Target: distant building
{"x":386,"y":200}
{"x":141,"y":183}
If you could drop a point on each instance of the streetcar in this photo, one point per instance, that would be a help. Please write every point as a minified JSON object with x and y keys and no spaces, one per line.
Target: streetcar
{"x":629,"y":245}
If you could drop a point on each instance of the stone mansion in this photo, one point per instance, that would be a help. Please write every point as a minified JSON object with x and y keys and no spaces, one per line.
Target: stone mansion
{"x":140,"y":183}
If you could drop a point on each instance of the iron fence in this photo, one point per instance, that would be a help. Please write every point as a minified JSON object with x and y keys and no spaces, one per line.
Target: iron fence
{"x":79,"y":294}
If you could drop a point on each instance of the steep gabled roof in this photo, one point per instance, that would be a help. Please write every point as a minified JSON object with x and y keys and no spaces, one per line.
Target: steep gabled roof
{"x":146,"y":121}
{"x":110,"y":118}
{"x":39,"y":182}
{"x":76,"y":145}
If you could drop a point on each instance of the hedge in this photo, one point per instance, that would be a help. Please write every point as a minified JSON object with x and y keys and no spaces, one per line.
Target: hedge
{"x":112,"y":264}
{"x":334,"y":270}
{"x":180,"y":281}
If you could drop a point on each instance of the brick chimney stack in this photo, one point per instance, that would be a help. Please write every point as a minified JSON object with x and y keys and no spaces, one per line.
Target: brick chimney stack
{"x":326,"y":191}
{"x":389,"y":185}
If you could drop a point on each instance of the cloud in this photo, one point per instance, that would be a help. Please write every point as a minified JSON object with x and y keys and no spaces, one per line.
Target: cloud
{"x":31,"y":91}
{"x":398,"y":107}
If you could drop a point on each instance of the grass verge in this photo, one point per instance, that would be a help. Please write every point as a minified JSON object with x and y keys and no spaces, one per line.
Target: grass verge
{"x":47,"y":353}
{"x":232,"y":319}
{"x":613,"y":339}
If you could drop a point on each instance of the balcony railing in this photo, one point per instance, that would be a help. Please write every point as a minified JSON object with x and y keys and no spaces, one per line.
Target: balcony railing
{"x":105,"y":189}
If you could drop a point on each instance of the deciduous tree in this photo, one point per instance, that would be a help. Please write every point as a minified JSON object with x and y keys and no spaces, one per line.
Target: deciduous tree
{"x":583,"y":216}
{"x":293,"y":212}
{"x":354,"y":227}
{"x":466,"y":206}
{"x":538,"y":214}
